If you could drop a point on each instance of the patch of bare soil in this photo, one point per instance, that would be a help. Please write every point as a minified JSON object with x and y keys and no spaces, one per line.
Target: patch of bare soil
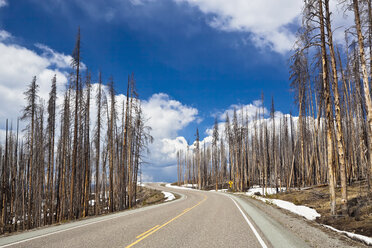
{"x":359,"y":219}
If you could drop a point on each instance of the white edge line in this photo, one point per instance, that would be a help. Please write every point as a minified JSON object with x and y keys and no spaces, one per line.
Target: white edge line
{"x":250,"y":225}
{"x":90,"y":223}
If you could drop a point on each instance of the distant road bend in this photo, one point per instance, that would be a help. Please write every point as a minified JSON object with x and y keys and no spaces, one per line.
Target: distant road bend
{"x":198,"y":219}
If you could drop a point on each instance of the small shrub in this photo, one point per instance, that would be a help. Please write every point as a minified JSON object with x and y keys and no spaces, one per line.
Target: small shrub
{"x":257,"y":193}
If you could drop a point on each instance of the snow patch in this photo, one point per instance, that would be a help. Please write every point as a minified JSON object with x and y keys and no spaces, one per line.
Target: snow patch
{"x":258,"y":189}
{"x":189,"y":185}
{"x":220,"y":190}
{"x":365,"y":239}
{"x":168,"y":196}
{"x":308,"y":213}
{"x":177,"y":187}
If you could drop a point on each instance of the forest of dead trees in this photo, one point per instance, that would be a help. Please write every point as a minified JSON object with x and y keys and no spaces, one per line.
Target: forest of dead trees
{"x":330,"y":142}
{"x":67,"y":164}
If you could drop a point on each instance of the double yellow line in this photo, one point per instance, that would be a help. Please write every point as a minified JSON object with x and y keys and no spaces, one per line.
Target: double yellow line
{"x":157,"y":227}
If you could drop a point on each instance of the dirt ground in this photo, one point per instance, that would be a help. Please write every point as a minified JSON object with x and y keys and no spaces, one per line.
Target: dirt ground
{"x":359,"y":204}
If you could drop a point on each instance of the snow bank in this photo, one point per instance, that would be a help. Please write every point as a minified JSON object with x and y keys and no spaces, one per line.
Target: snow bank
{"x":365,"y":239}
{"x":308,"y":213}
{"x":220,"y":190}
{"x":258,"y":189}
{"x":189,"y":185}
{"x":177,"y":187}
{"x":168,"y":196}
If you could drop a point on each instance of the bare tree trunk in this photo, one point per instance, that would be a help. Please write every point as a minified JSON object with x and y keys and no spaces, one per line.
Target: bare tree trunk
{"x":329,"y":115}
{"x":98,"y":144}
{"x":111,"y":147}
{"x":367,"y":90}
{"x":87,"y":151}
{"x":339,"y":131}
{"x":76,"y":63}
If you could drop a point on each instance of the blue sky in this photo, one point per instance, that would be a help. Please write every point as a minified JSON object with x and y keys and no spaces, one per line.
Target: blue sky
{"x":206,"y":55}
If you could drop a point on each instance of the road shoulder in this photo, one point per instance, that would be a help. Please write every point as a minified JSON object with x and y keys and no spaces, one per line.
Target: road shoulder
{"x":306,"y":232}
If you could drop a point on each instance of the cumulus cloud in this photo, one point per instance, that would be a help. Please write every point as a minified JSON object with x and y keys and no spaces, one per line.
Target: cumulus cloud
{"x":266,"y":20}
{"x":55,"y":58}
{"x":167,"y":117}
{"x":164,"y":115}
{"x":245,"y":113}
{"x":18,"y":65}
{"x":270,"y":23}
{"x":248,"y":110}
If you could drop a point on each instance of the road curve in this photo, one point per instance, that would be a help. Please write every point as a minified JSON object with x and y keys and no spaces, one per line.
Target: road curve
{"x":199,"y":219}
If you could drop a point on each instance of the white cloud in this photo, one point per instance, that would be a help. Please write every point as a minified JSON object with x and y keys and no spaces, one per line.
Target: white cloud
{"x":341,"y":20}
{"x":167,"y":117}
{"x":3,"y":3}
{"x":168,"y":149}
{"x":245,"y":111}
{"x":58,"y":59}
{"x":4,"y":35}
{"x":266,"y":20}
{"x":249,"y":110}
{"x":18,"y":65}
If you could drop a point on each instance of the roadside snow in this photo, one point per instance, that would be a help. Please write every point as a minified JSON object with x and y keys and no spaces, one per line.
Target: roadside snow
{"x":168,"y":196}
{"x":220,"y":190}
{"x":258,"y":189}
{"x":308,"y":213}
{"x":359,"y":237}
{"x":177,"y":187}
{"x":189,"y":185}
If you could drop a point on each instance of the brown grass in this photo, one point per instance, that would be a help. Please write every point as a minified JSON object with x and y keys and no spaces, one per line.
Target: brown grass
{"x":146,"y":196}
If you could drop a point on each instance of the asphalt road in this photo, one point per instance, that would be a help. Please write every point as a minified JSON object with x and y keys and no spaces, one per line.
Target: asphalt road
{"x":198,"y":219}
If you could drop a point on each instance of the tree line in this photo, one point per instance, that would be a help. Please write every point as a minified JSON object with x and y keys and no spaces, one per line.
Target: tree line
{"x":67,"y":164}
{"x":330,"y":142}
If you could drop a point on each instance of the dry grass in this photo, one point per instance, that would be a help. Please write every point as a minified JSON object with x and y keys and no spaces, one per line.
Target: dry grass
{"x":146,"y":196}
{"x":359,"y":219}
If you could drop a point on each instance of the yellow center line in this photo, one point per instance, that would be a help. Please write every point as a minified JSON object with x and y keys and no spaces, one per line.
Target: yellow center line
{"x":166,"y":223}
{"x":147,"y":231}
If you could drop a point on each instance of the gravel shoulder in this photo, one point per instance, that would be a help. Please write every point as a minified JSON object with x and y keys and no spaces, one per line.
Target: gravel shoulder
{"x":312,"y":233}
